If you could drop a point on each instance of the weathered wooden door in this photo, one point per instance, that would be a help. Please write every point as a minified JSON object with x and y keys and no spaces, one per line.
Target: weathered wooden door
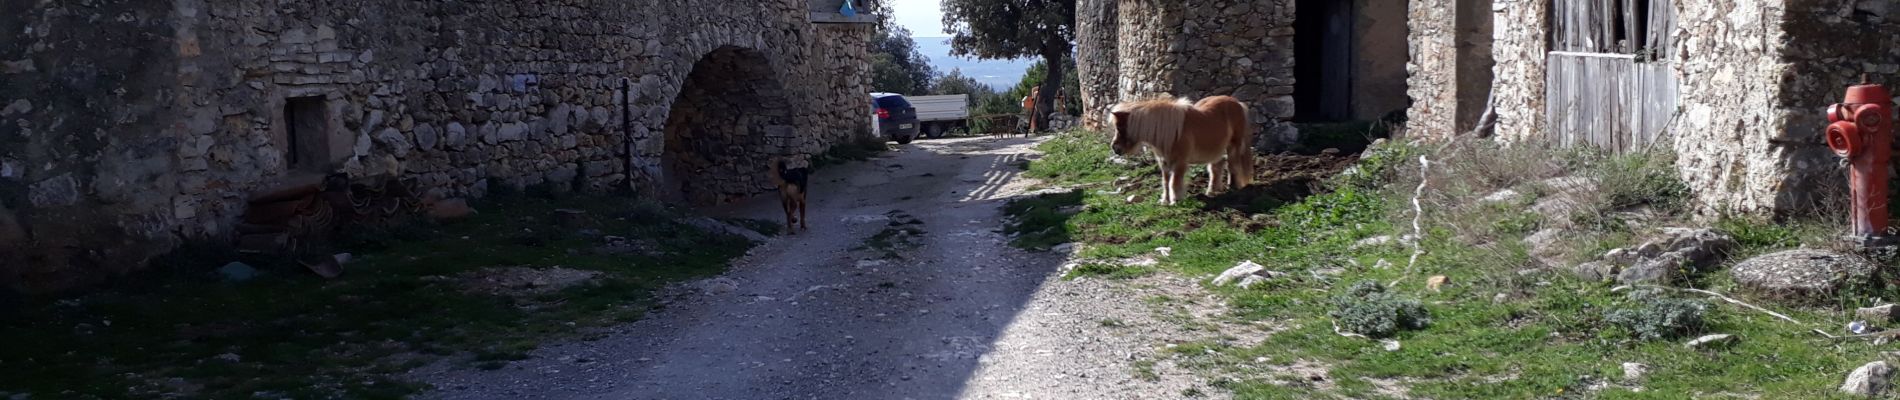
{"x":1608,"y":82}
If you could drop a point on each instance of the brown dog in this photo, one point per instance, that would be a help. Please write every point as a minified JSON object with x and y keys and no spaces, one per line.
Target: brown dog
{"x":792,"y":184}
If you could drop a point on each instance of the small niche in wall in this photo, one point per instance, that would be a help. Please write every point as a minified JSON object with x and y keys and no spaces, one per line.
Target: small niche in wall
{"x":307,"y":130}
{"x":833,"y":12}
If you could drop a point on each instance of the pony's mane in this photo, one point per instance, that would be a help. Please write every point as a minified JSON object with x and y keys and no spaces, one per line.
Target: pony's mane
{"x":1157,"y":122}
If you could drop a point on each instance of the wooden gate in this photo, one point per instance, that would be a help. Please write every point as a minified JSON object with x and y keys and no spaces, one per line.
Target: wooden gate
{"x":1608,"y":82}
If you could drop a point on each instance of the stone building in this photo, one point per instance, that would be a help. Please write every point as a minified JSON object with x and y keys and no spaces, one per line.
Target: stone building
{"x":132,"y":125}
{"x":1737,"y":90}
{"x":1289,"y":60}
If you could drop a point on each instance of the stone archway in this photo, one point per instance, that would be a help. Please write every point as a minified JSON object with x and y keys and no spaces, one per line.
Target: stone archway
{"x":730,"y":119}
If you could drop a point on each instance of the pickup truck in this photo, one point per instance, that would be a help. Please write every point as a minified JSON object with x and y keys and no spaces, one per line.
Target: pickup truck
{"x":941,"y":114}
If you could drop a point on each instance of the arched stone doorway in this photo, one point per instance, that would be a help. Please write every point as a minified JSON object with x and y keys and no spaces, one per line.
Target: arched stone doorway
{"x":730,"y":119}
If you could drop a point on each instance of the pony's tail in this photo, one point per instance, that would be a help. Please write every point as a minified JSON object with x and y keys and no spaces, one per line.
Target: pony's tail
{"x":1240,"y":152}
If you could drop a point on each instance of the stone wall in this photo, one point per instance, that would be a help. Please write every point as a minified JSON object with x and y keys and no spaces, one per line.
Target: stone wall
{"x":1731,"y":81}
{"x":1241,"y":48}
{"x":1095,"y":59}
{"x":1754,"y":80}
{"x":1753,"y":109}
{"x":1454,"y":61}
{"x":730,"y":119}
{"x":1519,"y":48}
{"x":72,"y":167}
{"x":112,"y":152}
{"x":1433,"y":71}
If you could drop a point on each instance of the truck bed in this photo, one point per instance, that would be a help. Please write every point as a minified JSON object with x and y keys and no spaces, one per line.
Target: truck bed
{"x":941,"y":108}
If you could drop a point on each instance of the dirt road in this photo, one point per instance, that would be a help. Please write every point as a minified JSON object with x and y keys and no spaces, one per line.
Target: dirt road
{"x":956,"y":313}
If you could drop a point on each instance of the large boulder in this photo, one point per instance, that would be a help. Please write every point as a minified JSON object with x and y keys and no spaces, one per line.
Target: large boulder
{"x":1567,"y":197}
{"x":1661,"y":260}
{"x":1247,"y":274}
{"x":1546,"y":245}
{"x":1869,"y":380}
{"x":1802,"y":273}
{"x":1677,"y":250}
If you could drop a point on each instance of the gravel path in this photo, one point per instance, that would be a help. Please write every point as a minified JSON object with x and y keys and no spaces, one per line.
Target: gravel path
{"x":962,"y":315}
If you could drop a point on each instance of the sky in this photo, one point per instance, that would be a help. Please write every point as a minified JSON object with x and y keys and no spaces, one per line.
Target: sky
{"x":924,"y":18}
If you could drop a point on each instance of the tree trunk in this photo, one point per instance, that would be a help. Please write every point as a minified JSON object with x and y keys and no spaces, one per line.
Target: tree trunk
{"x":1051,"y":88}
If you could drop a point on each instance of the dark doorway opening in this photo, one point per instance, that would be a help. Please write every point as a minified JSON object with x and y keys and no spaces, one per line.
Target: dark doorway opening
{"x":306,"y":129}
{"x":1474,"y":61}
{"x":1322,"y":54}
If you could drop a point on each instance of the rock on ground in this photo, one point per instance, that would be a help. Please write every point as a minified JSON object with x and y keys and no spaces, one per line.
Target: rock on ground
{"x":1711,"y":341}
{"x":518,"y":281}
{"x":1658,"y":260}
{"x":237,"y":272}
{"x":1569,"y":196}
{"x":1238,"y":271}
{"x":1247,"y":273}
{"x":1869,"y":380}
{"x":1880,"y":314}
{"x":1634,"y":371}
{"x":1383,"y":240}
{"x":1802,"y":273}
{"x":1502,"y":196}
{"x":1595,"y":271}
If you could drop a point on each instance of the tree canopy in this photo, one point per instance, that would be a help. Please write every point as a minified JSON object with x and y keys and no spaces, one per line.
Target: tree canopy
{"x":1007,"y":29}
{"x":896,"y":65}
{"x":956,"y":82}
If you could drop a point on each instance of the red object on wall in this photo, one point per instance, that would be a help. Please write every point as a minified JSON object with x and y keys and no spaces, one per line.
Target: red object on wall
{"x":1861,"y":131}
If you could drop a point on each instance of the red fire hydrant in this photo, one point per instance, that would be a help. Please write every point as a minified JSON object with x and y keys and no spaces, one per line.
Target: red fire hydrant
{"x":1860,"y":132}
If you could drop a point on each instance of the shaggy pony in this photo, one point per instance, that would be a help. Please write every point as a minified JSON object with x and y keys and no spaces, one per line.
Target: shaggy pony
{"x":1215,"y":131}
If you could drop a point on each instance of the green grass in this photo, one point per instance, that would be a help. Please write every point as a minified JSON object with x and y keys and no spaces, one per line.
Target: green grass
{"x":1549,"y":340}
{"x":1042,"y":222}
{"x":397,"y":306}
{"x":1084,"y":159}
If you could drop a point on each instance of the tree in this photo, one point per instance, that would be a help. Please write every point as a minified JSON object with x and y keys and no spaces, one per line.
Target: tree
{"x":1038,"y":73}
{"x":956,"y":82}
{"x":1010,"y":29}
{"x":896,"y":65}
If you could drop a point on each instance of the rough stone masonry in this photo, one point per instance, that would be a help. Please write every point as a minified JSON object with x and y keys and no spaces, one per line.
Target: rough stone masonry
{"x":1239,"y":48}
{"x":130,"y":126}
{"x":1752,"y":82}
{"x":1137,"y":49}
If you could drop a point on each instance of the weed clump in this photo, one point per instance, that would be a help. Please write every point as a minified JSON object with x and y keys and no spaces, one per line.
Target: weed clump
{"x":1368,"y":309}
{"x":1377,"y":166}
{"x":1641,"y":179}
{"x":1651,"y":315}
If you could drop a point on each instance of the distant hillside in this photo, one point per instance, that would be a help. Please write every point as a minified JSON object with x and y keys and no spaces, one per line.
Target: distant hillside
{"x":999,"y":74}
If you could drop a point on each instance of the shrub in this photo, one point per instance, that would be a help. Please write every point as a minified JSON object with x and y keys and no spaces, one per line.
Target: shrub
{"x":1641,"y":178}
{"x":1379,"y":165}
{"x":1651,"y":315}
{"x":1368,"y":309}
